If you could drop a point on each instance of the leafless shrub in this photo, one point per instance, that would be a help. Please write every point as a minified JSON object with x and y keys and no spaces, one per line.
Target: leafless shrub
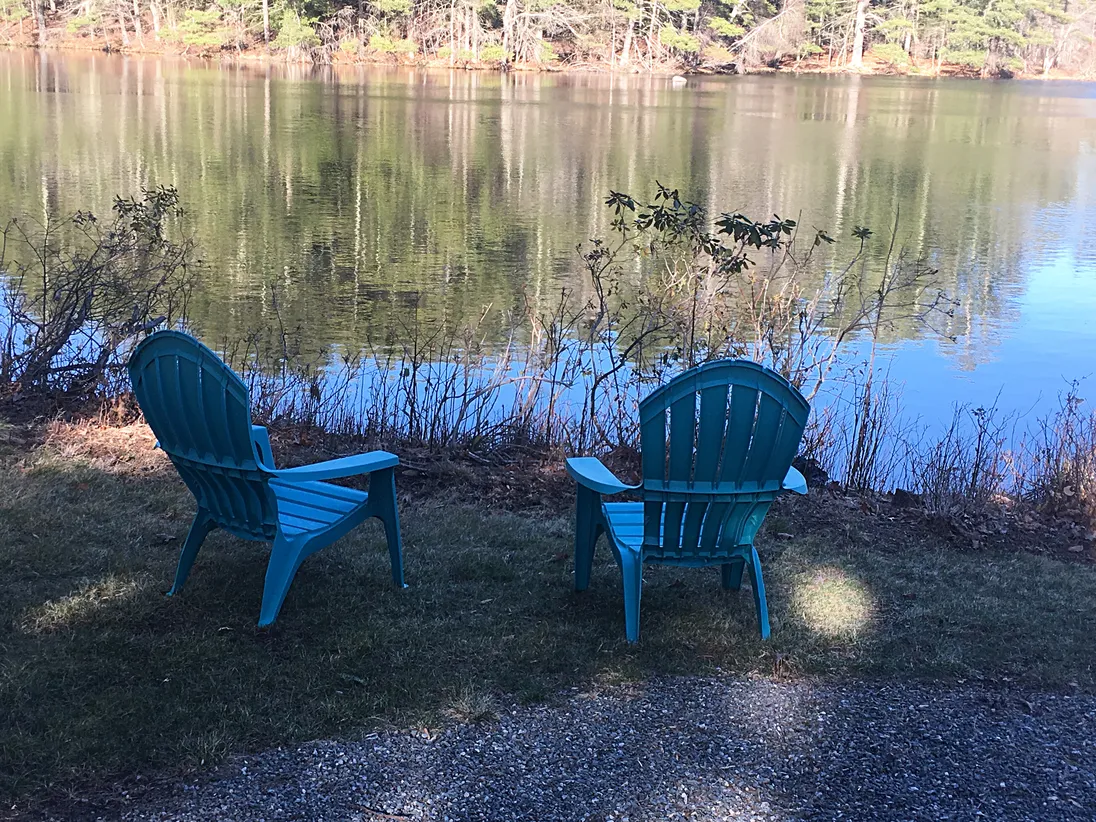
{"x":1056,"y":464}
{"x":427,"y":386}
{"x":982,"y":459}
{"x":968,"y":466}
{"x":75,"y":293}
{"x":868,"y":434}
{"x":819,"y":438}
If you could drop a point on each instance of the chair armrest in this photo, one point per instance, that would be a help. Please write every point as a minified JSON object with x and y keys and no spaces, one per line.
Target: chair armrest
{"x":261,"y":438}
{"x":794,"y":481}
{"x":589,"y":472}
{"x":338,"y":468}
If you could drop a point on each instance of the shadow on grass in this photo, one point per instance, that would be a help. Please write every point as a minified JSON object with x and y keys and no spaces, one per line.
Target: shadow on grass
{"x":101,"y":676}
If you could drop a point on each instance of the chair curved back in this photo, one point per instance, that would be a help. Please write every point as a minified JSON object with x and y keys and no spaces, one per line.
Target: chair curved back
{"x":717,"y":443}
{"x":199,"y":410}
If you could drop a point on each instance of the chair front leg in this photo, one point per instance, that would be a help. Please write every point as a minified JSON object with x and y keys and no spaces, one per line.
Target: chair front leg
{"x":199,"y":529}
{"x":631,"y":569}
{"x":382,"y":505}
{"x":587,"y":514}
{"x":285,"y":558}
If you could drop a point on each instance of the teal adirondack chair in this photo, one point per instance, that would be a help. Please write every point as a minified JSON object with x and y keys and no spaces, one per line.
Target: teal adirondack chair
{"x":734,"y":429}
{"x":199,"y":410}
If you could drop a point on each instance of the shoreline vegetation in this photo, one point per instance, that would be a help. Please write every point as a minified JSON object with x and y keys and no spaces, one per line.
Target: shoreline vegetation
{"x":872,"y":67}
{"x":920,"y":38}
{"x":671,"y":287}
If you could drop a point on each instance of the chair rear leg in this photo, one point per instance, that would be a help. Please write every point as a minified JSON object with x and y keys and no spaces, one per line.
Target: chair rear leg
{"x":631,"y":567}
{"x":732,"y":574}
{"x":285,"y":558}
{"x":759,"y":593}
{"x":382,"y":499}
{"x":199,"y":529}
{"x":587,"y":503}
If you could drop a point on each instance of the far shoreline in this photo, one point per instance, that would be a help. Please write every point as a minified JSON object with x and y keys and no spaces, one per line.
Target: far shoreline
{"x":872,"y":68}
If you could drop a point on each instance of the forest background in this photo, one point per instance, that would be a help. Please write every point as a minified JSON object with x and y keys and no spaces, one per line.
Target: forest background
{"x":984,"y":38}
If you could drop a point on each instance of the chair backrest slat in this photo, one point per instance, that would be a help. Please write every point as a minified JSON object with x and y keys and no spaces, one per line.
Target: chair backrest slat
{"x":714,"y":522}
{"x":695,"y":514}
{"x":785,"y":445}
{"x":213,"y":401}
{"x":740,"y":423}
{"x":199,"y":410}
{"x":653,"y":431}
{"x":152,"y":382}
{"x":770,"y":418}
{"x":682,"y":450}
{"x":708,"y":483}
{"x":710,"y":433}
{"x":682,"y":443}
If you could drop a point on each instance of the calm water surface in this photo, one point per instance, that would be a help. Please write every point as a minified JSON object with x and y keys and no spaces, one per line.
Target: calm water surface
{"x":356,"y":203}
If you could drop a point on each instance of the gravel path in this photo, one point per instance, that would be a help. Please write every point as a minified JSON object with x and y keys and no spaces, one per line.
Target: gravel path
{"x":692,"y":749}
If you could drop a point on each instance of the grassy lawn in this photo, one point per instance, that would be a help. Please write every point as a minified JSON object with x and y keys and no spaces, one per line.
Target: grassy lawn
{"x":103,"y":677}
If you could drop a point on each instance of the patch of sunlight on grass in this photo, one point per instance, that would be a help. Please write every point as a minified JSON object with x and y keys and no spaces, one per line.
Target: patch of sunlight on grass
{"x":115,"y":449}
{"x":84,"y":605}
{"x":833,"y":604}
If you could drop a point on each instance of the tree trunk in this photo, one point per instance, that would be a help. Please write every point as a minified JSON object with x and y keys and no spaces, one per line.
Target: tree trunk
{"x":466,"y":35}
{"x":155,"y":10}
{"x":612,"y":45}
{"x":122,"y":26}
{"x":857,"y":60}
{"x":472,"y":31}
{"x":266,"y":21}
{"x":137,"y":21}
{"x":845,"y":43}
{"x":39,"y":20}
{"x":508,"y":16}
{"x":651,"y":36}
{"x":453,"y":32}
{"x":626,"y":51}
{"x":469,"y":31}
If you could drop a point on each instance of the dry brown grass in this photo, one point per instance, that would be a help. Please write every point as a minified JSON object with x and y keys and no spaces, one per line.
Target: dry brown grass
{"x":125,"y":450}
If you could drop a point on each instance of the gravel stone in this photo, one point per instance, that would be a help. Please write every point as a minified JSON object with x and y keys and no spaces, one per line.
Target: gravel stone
{"x":688,"y":749}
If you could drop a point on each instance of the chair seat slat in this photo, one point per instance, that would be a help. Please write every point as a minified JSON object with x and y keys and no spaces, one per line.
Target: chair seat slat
{"x":319,"y":495}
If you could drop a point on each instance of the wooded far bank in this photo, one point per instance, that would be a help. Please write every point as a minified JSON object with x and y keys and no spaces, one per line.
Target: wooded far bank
{"x":986,"y":38}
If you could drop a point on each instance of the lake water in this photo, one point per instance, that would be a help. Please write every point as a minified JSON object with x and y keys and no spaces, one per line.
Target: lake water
{"x":357,"y":202}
